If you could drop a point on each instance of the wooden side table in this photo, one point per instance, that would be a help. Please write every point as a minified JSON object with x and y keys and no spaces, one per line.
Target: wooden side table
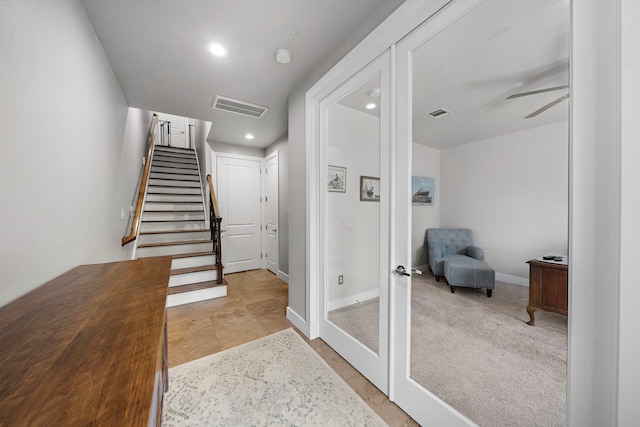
{"x":548,"y":288}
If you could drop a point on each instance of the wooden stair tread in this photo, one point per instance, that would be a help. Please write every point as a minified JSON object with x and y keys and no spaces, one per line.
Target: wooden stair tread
{"x":176,"y":167}
{"x":173,"y":220}
{"x":174,"y":231}
{"x":197,"y":179}
{"x":182,"y":211}
{"x":187,"y":270}
{"x":168,"y":159}
{"x":175,"y":173}
{"x":195,"y":287}
{"x":167,"y":148}
{"x":177,"y":201}
{"x":193,"y":254}
{"x":185,"y":242}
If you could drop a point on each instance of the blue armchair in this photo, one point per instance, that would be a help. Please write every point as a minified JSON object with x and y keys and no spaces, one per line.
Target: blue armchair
{"x":451,"y":254}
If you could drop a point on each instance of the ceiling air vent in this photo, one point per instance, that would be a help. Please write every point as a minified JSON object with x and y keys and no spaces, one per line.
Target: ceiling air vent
{"x":439,"y":113}
{"x":238,"y":107}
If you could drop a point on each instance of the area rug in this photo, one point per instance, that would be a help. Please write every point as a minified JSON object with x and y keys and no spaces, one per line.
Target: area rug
{"x":277,"y":380}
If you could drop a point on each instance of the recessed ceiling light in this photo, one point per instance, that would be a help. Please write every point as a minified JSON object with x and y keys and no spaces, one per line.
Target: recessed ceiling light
{"x":375,"y":92}
{"x":219,"y":50}
{"x":249,"y":136}
{"x":370,"y":106}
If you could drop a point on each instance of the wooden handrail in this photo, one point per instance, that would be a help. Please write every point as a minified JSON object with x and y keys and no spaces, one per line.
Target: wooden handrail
{"x":212,"y":194}
{"x":143,"y":181}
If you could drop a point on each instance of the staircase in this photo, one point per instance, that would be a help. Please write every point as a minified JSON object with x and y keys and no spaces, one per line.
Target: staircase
{"x":174,"y":223}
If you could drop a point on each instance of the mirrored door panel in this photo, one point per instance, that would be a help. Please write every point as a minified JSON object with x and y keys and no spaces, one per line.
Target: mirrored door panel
{"x":353,"y":214}
{"x":489,"y":194}
{"x":354,"y":130}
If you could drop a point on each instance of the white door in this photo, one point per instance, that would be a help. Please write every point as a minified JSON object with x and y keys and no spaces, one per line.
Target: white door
{"x":178,"y":136}
{"x":271,"y":212}
{"x":238,"y":187}
{"x":354,"y":218}
{"x":422,"y":377}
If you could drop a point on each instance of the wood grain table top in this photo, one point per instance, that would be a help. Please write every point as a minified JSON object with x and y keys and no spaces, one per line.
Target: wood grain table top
{"x":83,"y":348}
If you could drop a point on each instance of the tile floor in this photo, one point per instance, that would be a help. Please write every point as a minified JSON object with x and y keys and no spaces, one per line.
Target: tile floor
{"x":253,"y":308}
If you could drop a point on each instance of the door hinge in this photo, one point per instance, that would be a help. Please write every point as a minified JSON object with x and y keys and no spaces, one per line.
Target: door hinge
{"x":265,"y":171}
{"x":266,"y":198}
{"x":260,"y":199}
{"x":261,"y":256}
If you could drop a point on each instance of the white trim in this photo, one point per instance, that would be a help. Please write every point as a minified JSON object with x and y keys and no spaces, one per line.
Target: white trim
{"x":266,"y":159}
{"x":283,"y":276}
{"x":299,"y":323}
{"x":353,"y":299}
{"x":514,"y":280}
{"x":196,"y":296}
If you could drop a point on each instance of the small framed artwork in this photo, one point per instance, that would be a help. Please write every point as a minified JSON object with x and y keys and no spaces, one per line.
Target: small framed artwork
{"x":337,"y":179}
{"x":369,"y":189}
{"x":422,"y":190}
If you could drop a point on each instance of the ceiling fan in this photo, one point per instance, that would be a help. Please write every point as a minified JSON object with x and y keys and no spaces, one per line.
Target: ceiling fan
{"x":545,"y":107}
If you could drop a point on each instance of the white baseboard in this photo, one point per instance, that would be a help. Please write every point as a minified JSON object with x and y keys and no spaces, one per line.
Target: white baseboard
{"x":343,"y":302}
{"x":514,"y":280}
{"x":283,"y":276}
{"x":298,"y":321}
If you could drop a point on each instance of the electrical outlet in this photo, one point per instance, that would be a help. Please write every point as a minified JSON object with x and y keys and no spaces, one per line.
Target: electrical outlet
{"x":121,"y":213}
{"x":340,"y":279}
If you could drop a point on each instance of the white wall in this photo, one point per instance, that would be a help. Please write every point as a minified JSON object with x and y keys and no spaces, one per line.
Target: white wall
{"x":512,"y":191}
{"x":221,"y":147}
{"x":426,"y":163}
{"x":629,"y":371}
{"x":62,"y":122}
{"x":133,"y":149}
{"x":353,"y":226}
{"x":297,"y":153}
{"x":282,"y":145}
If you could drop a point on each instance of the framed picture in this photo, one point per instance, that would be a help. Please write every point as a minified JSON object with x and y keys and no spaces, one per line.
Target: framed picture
{"x":369,"y":189}
{"x":337,"y":179}
{"x":422,"y":190}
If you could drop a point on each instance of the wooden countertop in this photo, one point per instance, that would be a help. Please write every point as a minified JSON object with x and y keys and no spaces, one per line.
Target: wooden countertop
{"x":83,"y":348}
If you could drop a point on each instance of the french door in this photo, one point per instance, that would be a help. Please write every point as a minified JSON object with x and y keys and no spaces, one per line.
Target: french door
{"x":354,"y":218}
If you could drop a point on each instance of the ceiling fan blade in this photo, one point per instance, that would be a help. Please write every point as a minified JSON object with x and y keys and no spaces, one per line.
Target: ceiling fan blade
{"x":534,"y":92}
{"x":549,"y":105}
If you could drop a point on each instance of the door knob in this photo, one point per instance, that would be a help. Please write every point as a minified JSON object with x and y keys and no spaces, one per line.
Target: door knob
{"x":402,"y":271}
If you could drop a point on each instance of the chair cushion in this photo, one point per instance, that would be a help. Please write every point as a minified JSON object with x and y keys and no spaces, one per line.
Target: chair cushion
{"x":461,"y":270}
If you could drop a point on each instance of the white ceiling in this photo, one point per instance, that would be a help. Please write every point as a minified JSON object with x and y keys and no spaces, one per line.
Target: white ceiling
{"x":159,"y":53}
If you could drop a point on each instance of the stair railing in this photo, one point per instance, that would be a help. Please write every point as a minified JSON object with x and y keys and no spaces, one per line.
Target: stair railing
{"x":142,"y":185}
{"x":215,"y":225}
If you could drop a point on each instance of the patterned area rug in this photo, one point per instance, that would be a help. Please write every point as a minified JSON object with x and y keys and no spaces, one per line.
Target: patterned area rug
{"x":277,"y":380}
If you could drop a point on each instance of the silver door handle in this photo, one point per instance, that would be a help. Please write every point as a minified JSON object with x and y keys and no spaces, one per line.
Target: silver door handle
{"x":274,"y":230}
{"x":402,"y":271}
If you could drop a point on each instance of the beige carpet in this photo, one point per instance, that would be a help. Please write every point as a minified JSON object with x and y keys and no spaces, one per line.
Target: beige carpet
{"x":277,"y":380}
{"x":478,"y":354}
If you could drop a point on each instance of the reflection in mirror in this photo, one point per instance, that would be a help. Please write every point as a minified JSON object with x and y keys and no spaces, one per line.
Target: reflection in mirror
{"x":353,"y":214}
{"x":504,"y":177}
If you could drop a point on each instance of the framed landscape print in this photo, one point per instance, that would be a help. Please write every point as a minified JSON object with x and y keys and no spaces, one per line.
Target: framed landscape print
{"x":337,"y":179}
{"x":422,"y":190}
{"x":369,"y":189}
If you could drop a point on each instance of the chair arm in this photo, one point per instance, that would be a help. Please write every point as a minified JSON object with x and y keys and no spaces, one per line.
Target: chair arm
{"x":475,"y":252}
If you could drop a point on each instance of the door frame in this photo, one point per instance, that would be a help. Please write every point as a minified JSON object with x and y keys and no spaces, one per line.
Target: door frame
{"x":264,"y":193}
